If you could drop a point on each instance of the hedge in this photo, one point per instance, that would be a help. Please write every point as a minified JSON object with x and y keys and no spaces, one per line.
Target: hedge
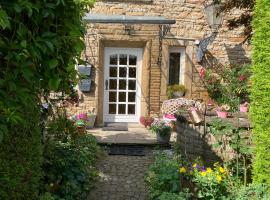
{"x":260,"y":92}
{"x":40,"y":43}
{"x":20,"y":160}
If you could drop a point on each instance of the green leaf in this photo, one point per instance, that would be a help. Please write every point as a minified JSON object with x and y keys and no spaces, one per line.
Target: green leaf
{"x":23,"y":43}
{"x":4,"y":19}
{"x":54,"y":83}
{"x":53,"y":63}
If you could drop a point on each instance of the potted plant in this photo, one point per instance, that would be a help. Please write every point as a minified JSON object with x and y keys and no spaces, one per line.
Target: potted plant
{"x":222,"y":111}
{"x":176,"y":91}
{"x":162,"y":129}
{"x":244,"y":107}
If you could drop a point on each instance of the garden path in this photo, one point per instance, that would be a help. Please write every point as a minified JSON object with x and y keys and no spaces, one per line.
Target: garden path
{"x":122,"y":177}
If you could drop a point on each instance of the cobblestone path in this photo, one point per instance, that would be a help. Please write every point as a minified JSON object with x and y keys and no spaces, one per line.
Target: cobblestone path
{"x":122,"y":178}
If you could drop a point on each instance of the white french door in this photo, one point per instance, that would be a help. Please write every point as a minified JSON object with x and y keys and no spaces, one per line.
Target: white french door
{"x":122,"y":87}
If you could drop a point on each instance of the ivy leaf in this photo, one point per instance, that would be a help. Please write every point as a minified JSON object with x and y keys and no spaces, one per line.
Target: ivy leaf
{"x":54,"y":83}
{"x":53,"y":63}
{"x":4,"y":19}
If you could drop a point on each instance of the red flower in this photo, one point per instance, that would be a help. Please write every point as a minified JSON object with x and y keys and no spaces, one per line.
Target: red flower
{"x":202,"y":72}
{"x":242,"y":78}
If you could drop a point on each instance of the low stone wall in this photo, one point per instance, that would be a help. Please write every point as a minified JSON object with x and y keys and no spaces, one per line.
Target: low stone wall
{"x":197,"y":141}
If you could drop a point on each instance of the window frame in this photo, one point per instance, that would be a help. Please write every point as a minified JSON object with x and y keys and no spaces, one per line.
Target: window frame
{"x":182,"y":51}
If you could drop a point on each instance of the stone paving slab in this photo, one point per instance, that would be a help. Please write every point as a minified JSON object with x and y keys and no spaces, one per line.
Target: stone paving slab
{"x":132,"y":136}
{"x":122,"y":177}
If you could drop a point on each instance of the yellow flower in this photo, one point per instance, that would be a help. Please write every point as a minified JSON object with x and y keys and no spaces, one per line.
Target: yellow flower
{"x":194,"y":165}
{"x":221,"y":170}
{"x":182,"y":170}
{"x":219,"y":178}
{"x":203,"y":173}
{"x":208,"y":170}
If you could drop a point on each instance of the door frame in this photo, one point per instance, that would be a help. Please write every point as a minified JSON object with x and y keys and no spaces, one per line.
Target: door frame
{"x":122,"y":117}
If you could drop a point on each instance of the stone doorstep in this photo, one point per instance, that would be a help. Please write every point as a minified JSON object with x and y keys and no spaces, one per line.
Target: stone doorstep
{"x":132,"y":136}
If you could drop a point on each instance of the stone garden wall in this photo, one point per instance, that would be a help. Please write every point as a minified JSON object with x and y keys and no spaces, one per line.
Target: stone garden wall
{"x":197,"y":141}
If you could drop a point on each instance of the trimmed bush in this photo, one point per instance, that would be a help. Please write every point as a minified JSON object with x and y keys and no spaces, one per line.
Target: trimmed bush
{"x":260,"y":92}
{"x":20,"y":160}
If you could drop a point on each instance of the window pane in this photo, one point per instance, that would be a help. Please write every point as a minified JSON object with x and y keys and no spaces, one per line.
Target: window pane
{"x":132,"y":84}
{"x":131,"y":96}
{"x":174,"y":68}
{"x":113,"y":84}
{"x":122,"y":96}
{"x":113,"y":71}
{"x":112,"y":108}
{"x":132,"y":60}
{"x":112,"y":96}
{"x":122,"y":84}
{"x":122,"y":72}
{"x":113,"y":59}
{"x":132,"y":72}
{"x":131,"y":109}
{"x":123,"y":59}
{"x":122,"y":109}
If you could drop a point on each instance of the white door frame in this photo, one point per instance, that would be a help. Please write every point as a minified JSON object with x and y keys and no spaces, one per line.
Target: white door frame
{"x":122,"y":117}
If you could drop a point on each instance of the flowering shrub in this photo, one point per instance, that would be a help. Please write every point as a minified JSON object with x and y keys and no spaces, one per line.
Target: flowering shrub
{"x":161,"y":126}
{"x":146,"y":121}
{"x":228,"y":85}
{"x":209,"y":183}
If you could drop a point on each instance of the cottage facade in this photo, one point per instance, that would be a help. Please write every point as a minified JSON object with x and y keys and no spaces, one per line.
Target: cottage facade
{"x":133,"y":63}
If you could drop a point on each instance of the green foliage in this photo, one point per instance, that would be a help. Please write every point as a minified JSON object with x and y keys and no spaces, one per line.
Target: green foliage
{"x":40,"y":42}
{"x":163,"y":176}
{"x":69,"y":167}
{"x":175,"y":88}
{"x":260,"y":92}
{"x":251,"y":192}
{"x":172,"y":196}
{"x":239,"y":140}
{"x":20,"y":159}
{"x":227,"y":84}
{"x":211,"y":183}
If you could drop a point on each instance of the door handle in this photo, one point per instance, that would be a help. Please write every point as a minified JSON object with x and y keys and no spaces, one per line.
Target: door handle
{"x":106,"y":85}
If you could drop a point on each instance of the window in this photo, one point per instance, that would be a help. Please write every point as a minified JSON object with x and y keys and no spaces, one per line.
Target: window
{"x":176,"y":66}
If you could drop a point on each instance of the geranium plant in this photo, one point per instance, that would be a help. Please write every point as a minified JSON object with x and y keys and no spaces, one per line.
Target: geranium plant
{"x":161,"y":126}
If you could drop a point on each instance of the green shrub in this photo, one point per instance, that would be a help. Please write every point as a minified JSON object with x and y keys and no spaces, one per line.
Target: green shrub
{"x":163,"y":176}
{"x":69,"y":171}
{"x":20,"y":160}
{"x":251,"y":192}
{"x":260,"y":92}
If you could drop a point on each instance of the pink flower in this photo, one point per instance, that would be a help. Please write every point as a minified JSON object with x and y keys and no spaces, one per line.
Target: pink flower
{"x":202,"y":73}
{"x":242,"y":78}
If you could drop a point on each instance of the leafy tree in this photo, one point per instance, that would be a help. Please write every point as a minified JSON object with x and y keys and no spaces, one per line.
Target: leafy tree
{"x":40,"y":42}
{"x":260,"y":92}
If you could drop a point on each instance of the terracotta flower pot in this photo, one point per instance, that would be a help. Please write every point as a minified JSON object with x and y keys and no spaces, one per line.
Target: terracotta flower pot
{"x":243,"y":109}
{"x":222,"y":114}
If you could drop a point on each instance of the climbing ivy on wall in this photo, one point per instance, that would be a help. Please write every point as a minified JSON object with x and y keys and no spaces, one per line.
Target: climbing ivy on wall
{"x":40,"y":42}
{"x":260,"y":92}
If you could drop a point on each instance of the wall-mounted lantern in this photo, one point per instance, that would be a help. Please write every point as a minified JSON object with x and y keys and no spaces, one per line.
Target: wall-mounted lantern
{"x":214,"y":17}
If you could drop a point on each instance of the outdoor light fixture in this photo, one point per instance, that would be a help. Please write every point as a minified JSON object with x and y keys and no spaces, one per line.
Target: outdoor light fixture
{"x":214,"y":17}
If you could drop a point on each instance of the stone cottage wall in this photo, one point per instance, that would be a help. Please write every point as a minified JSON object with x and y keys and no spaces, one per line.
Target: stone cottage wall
{"x":190,"y":26}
